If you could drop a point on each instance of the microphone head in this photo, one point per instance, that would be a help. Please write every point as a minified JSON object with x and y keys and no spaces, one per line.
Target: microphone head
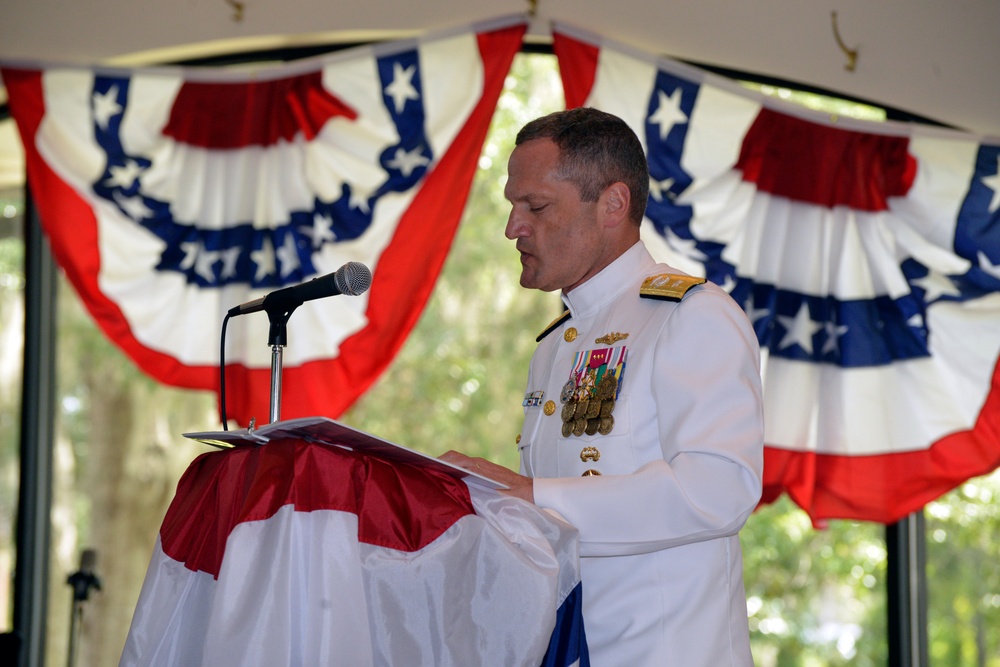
{"x":88,"y":560}
{"x":353,"y":278}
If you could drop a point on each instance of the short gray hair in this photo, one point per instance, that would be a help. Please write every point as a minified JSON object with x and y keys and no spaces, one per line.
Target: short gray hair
{"x":596,"y":149}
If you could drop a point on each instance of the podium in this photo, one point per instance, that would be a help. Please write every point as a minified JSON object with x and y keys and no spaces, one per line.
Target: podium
{"x":310,"y":543}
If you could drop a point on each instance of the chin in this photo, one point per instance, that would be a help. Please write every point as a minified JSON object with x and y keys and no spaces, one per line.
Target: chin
{"x":533,"y":281}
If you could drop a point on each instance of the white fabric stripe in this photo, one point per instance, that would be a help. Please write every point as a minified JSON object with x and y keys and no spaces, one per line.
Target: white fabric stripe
{"x":719,"y":122}
{"x":944,"y":171}
{"x":816,"y":251}
{"x":291,"y":592}
{"x":63,"y":137}
{"x":171,"y":616}
{"x":660,"y":249}
{"x":348,"y":150}
{"x":450,"y":92}
{"x":615,"y":89}
{"x":924,"y":221}
{"x":215,"y":189}
{"x":542,"y":535}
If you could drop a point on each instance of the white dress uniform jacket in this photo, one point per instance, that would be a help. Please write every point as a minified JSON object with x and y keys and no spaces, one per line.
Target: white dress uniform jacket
{"x":679,"y":472}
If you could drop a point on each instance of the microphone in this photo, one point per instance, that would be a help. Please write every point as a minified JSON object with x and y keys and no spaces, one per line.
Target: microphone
{"x":84,"y":579}
{"x":351,"y":279}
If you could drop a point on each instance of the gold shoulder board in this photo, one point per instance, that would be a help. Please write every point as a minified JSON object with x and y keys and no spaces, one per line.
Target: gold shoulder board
{"x":669,"y":286}
{"x":552,"y":326}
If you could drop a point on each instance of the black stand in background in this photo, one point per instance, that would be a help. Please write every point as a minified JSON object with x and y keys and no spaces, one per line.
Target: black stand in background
{"x":82,"y":581}
{"x":906,"y":589}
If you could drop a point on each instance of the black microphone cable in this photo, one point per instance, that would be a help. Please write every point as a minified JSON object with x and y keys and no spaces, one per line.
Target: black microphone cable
{"x":222,"y":375}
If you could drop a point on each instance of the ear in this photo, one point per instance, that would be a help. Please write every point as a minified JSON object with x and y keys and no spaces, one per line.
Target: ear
{"x":614,"y":204}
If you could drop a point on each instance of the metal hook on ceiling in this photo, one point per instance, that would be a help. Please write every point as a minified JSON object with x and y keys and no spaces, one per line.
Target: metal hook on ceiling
{"x":237,"y":9}
{"x":852,"y":54}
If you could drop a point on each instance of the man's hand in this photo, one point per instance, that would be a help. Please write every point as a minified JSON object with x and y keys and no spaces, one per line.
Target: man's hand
{"x":520,"y":486}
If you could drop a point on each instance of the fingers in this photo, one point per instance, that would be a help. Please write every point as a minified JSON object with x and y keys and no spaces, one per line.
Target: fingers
{"x":458,"y":459}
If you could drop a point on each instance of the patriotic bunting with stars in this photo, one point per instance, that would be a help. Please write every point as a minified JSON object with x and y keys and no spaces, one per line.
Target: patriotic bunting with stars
{"x":171,"y":195}
{"x":867,"y":256}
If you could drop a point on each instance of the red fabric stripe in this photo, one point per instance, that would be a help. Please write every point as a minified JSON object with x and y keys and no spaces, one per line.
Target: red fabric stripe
{"x":398,"y":506}
{"x":255,"y":113}
{"x":827,"y":166}
{"x":403,"y":279}
{"x":577,"y":68}
{"x":885,"y":487}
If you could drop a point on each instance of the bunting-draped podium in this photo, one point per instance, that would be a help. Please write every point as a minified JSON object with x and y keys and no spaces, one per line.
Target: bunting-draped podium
{"x":303,"y":553}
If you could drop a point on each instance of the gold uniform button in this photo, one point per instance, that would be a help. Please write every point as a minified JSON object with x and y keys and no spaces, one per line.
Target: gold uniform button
{"x":591,"y":473}
{"x":517,"y":440}
{"x":550,"y":408}
{"x":570,"y":335}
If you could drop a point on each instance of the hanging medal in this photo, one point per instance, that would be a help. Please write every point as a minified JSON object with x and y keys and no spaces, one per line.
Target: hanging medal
{"x":590,"y":394}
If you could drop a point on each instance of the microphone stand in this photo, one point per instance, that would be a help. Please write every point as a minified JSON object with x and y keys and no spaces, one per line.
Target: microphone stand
{"x":82,"y":581}
{"x":352,"y":279}
{"x":277,"y":338}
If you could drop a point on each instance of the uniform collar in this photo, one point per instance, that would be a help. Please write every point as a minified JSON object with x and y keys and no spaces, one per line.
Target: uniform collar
{"x":617,"y":277}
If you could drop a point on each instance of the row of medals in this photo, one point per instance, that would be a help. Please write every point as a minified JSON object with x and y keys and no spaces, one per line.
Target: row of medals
{"x":589,"y":414}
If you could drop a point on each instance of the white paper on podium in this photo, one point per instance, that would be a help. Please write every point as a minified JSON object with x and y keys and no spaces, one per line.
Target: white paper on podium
{"x":331,"y":432}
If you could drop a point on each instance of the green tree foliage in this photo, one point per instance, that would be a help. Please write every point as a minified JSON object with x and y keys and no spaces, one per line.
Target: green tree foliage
{"x":963,"y":574}
{"x":814,"y":597}
{"x":11,"y":350}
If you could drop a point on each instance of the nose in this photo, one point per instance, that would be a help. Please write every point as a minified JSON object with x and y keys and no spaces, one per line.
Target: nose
{"x":516,"y":226}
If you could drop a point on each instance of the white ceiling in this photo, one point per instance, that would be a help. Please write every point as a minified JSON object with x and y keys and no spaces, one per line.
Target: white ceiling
{"x":939,"y":60}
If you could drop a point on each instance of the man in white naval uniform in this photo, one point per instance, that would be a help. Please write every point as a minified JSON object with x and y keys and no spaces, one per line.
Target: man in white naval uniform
{"x":643,"y":422}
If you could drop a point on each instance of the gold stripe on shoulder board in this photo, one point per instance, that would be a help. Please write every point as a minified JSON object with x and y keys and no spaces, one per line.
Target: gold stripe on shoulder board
{"x":668,"y":286}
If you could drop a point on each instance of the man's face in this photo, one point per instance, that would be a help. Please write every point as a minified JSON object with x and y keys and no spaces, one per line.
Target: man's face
{"x":559,"y":237}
